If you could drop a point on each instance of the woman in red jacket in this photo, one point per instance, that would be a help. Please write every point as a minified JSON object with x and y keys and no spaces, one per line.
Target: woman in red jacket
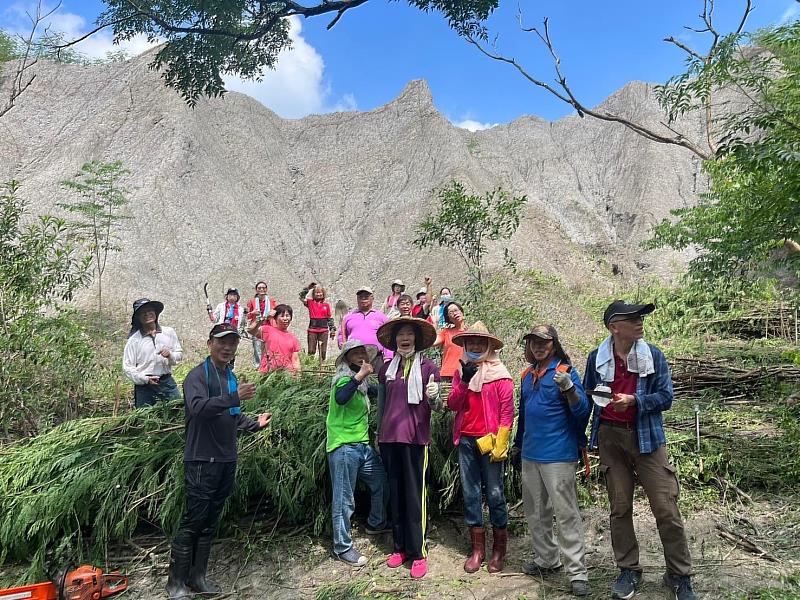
{"x":483,"y":398}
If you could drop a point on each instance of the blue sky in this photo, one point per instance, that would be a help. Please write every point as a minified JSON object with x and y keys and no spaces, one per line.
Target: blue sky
{"x":376,"y":49}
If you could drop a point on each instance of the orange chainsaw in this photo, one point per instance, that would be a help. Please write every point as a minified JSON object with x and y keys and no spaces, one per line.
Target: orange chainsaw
{"x":84,"y":583}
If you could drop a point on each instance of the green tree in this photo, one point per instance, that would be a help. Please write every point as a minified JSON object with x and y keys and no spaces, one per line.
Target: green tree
{"x":752,"y":207}
{"x":44,"y":359}
{"x":8,"y":47}
{"x":102,"y":200}
{"x":465,"y":223}
{"x":205,"y":40}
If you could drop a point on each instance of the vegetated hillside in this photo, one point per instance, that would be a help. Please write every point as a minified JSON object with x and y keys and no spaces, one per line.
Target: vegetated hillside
{"x":230,"y":193}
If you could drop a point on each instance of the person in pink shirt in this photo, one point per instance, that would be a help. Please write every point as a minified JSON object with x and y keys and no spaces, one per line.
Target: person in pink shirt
{"x":281,"y":348}
{"x":363,"y":323}
{"x":482,"y":397}
{"x":320,"y":324}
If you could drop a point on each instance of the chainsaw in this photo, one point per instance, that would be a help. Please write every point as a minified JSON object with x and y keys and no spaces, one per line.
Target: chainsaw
{"x":84,"y":583}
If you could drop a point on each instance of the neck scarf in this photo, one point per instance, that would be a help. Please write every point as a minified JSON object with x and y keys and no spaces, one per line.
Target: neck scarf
{"x":489,"y":369}
{"x":414,"y":380}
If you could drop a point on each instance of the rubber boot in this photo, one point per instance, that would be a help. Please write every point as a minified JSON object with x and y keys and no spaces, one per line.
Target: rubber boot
{"x":179,"y":565}
{"x":197,"y":574}
{"x":478,"y":537}
{"x":498,"y":550}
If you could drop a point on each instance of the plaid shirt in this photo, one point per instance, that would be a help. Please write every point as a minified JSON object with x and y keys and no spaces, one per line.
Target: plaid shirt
{"x":653,"y":396}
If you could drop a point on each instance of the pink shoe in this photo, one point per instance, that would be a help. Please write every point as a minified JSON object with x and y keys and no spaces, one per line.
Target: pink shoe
{"x":395,"y":560}
{"x":419,"y":568}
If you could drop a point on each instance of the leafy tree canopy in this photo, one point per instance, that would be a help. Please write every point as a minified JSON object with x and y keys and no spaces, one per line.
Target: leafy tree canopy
{"x":206,"y":40}
{"x":8,"y":47}
{"x":752,"y":207}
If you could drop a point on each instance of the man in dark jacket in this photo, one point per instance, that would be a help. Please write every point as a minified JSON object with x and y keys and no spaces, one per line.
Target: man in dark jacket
{"x":211,"y":396}
{"x":629,"y":432}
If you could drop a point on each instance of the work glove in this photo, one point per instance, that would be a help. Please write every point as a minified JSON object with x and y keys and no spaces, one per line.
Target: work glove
{"x":432,"y":388}
{"x":563,"y":381}
{"x":500,"y":450}
{"x":516,"y":457}
{"x":468,"y":370}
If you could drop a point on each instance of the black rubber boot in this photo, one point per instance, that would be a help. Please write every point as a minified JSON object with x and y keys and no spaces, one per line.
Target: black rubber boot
{"x":197,"y":575}
{"x":179,"y":565}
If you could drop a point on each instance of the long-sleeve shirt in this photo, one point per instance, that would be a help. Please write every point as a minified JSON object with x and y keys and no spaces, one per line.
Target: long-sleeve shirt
{"x":549,"y":428}
{"x":364,"y":327}
{"x":213,"y":415}
{"x":140,"y":357}
{"x":399,"y":421}
{"x":653,"y":396}
{"x":496,"y":400}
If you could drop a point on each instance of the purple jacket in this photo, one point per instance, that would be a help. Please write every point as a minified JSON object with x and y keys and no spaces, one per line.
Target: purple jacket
{"x":401,"y":422}
{"x":356,"y":325}
{"x":498,"y":404}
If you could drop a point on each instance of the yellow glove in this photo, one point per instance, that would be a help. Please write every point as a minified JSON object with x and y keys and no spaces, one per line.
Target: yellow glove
{"x":485,"y":443}
{"x":500,"y":450}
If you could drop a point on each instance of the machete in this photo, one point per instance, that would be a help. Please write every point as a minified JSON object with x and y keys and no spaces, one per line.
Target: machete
{"x":209,"y":308}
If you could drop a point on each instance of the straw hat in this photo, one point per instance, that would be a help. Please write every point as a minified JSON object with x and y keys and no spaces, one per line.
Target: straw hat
{"x":427,"y":331}
{"x":478,"y":330}
{"x":372,"y":351}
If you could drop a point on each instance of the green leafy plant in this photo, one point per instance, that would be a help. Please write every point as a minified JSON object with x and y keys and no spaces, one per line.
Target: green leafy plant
{"x":100,"y":211}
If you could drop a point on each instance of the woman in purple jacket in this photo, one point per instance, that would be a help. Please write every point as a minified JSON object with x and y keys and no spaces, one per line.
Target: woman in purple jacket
{"x":483,"y":399}
{"x":408,"y":391}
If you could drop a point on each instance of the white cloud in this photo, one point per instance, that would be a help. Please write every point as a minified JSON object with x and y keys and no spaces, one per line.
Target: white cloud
{"x":473,"y":125}
{"x":296,"y":88}
{"x":791,"y":13}
{"x":72,"y":26}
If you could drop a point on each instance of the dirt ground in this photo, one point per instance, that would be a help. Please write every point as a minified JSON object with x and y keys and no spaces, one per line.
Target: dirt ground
{"x":283,"y":564}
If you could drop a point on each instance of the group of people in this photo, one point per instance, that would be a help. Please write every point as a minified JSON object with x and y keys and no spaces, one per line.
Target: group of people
{"x":625,"y":388}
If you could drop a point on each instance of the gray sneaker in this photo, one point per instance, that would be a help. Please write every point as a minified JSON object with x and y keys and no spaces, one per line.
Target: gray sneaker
{"x":580,"y":587}
{"x":625,"y":585}
{"x":352,"y":557}
{"x":681,"y":586}
{"x":384,"y":527}
{"x":534,"y":570}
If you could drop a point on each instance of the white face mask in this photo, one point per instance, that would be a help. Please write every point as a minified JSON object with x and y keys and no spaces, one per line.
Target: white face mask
{"x":408,"y":354}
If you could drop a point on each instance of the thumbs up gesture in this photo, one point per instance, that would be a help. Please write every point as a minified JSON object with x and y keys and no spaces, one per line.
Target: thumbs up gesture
{"x":432,"y":388}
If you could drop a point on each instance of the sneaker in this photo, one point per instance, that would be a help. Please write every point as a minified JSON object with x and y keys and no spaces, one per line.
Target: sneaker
{"x":395,"y":560}
{"x":580,"y":587}
{"x":681,"y":586}
{"x":625,"y":585}
{"x":419,"y":568}
{"x":352,"y":557}
{"x":534,"y":570}
{"x":384,"y":527}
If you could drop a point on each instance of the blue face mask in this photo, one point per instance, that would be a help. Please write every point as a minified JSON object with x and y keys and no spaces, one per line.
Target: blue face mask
{"x":473,"y":356}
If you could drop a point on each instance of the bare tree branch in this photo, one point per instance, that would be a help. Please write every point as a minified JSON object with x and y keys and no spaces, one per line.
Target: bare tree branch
{"x":562,"y":90}
{"x":60,"y":47}
{"x":22,"y":80}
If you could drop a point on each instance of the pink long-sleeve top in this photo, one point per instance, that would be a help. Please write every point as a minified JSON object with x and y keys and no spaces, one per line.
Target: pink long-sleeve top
{"x":497,"y":398}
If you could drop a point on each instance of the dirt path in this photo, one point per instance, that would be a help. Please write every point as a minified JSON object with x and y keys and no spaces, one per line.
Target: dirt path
{"x":299,"y":566}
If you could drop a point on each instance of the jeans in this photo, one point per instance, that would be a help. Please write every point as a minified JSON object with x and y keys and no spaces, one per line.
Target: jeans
{"x":148,"y":395}
{"x":478,"y":473}
{"x":258,"y":345}
{"x":349,"y":463}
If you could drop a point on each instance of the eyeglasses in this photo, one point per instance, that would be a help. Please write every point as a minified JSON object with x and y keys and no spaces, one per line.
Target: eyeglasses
{"x":633,"y":319}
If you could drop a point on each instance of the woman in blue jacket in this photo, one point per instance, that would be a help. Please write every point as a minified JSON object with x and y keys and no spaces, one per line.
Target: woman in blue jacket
{"x":553,"y":414}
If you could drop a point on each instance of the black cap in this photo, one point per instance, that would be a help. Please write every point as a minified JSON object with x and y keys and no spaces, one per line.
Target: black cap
{"x":620,"y":307}
{"x":222,"y":329}
{"x":233,"y":291}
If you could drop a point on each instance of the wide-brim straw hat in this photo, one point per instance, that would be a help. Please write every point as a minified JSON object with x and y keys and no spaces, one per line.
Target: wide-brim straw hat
{"x":427,"y":331}
{"x":478,"y":330}
{"x":372,"y":351}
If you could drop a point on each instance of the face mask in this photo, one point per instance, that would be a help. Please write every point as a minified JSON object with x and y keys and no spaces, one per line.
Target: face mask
{"x":355,"y":368}
{"x":406,"y":354}
{"x":445,"y":299}
{"x":473,"y":356}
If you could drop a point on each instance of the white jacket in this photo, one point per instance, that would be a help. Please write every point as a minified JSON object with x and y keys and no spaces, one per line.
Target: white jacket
{"x":141,"y":357}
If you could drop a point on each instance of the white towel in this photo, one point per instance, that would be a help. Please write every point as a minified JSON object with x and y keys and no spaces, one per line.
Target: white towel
{"x":640,"y":360}
{"x":414,"y":377}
